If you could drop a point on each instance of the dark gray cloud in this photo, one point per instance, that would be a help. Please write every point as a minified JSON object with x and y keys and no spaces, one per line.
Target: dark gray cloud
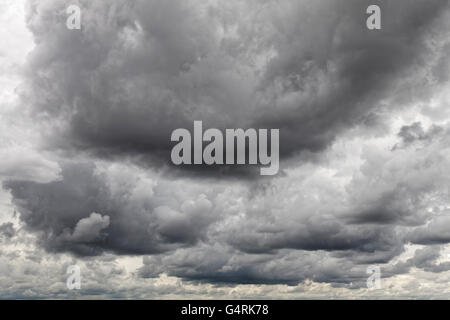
{"x":138,"y":70}
{"x":116,"y":89}
{"x":83,"y":213}
{"x":317,"y":233}
{"x":216,"y":264}
{"x":340,"y":76}
{"x":235,"y":231}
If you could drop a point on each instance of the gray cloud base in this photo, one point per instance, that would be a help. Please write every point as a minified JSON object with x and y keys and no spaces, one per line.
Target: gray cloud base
{"x":114,"y":91}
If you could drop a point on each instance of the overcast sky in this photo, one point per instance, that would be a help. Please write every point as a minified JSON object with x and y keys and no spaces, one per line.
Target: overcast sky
{"x":85,"y":123}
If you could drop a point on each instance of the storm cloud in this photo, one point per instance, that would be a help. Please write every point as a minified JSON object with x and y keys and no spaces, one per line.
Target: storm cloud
{"x":364,"y":146}
{"x":138,"y":70}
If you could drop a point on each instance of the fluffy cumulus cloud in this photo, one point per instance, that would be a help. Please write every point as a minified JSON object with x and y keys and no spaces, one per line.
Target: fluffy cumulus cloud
{"x":364,"y":145}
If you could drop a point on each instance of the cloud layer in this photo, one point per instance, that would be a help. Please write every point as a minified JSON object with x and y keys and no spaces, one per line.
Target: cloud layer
{"x":364,"y":138}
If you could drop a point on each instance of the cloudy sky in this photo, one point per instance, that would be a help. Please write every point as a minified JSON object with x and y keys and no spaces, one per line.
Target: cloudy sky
{"x":85,"y":123}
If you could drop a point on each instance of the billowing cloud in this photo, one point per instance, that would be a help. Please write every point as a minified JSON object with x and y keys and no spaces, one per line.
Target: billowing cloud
{"x":90,"y":228}
{"x":136,"y":215}
{"x":138,"y":70}
{"x":364,"y":140}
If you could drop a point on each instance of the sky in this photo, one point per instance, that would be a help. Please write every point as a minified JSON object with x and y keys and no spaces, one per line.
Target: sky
{"x":86,"y":177}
